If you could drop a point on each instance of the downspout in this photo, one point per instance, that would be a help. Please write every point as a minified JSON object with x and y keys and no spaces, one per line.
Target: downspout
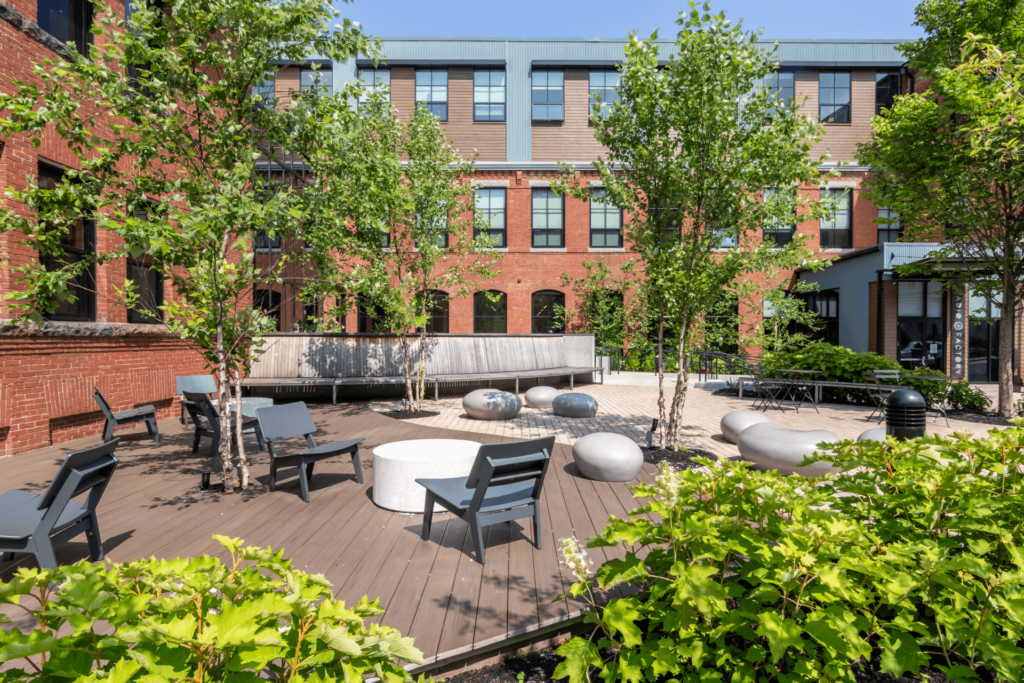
{"x":878,"y":314}
{"x":910,"y":74}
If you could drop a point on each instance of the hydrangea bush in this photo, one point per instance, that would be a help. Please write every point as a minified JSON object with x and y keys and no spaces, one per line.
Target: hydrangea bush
{"x":913,"y":556}
{"x":195,"y":620}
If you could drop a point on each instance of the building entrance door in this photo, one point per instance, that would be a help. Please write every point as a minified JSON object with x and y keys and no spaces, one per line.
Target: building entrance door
{"x":983,"y":340}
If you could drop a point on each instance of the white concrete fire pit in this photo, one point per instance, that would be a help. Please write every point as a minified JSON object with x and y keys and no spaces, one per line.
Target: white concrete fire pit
{"x":397,"y":466}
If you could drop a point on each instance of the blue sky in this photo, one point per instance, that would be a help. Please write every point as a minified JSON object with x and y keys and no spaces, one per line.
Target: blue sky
{"x":615,"y":18}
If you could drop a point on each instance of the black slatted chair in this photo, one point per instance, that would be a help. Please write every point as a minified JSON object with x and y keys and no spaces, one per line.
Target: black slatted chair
{"x":33,"y":523}
{"x":196,"y":384}
{"x":206,"y":418}
{"x":504,"y":484}
{"x":145,"y":414}
{"x":291,"y":420}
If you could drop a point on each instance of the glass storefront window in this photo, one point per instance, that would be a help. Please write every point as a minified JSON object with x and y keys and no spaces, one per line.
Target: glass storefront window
{"x":921,"y":325}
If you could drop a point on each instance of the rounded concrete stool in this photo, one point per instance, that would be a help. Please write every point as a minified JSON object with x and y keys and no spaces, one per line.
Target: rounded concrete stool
{"x":734,"y":423}
{"x":491,"y":404}
{"x":607,"y":457}
{"x":574,"y":405}
{"x":876,"y":434}
{"x":397,"y":466}
{"x":541,"y":397}
{"x":773,"y":447}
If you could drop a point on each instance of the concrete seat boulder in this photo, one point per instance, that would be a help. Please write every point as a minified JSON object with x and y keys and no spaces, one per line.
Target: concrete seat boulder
{"x":876,"y":434}
{"x":541,"y":397}
{"x":491,"y":404}
{"x":774,"y":447}
{"x":574,"y":405}
{"x":604,"y":456}
{"x":733,"y":424}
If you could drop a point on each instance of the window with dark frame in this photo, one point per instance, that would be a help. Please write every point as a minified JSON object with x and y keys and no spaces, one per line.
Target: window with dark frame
{"x":262,"y":241}
{"x":149,"y":284}
{"x":544,"y":316}
{"x":887,"y":87}
{"x":548,"y":95}
{"x":777,"y":231}
{"x":264,"y":90}
{"x":834,"y":96}
{"x":489,"y":205}
{"x":548,"y":226}
{"x":369,"y":318}
{"x":606,"y":85}
{"x":673,"y":221}
{"x":782,"y":88}
{"x":432,"y":91}
{"x":438,"y":234}
{"x":437,"y":312}
{"x":835,"y":228}
{"x":310,"y":317}
{"x":826,"y":305}
{"x":321,"y":78}
{"x":268,"y":301}
{"x":373,"y":80}
{"x":489,"y":95}
{"x":605,"y":221}
{"x":490,"y":317}
{"x":920,"y":324}
{"x":78,"y":243}
{"x":69,"y":21}
{"x":382,"y":238}
{"x":891,"y":229}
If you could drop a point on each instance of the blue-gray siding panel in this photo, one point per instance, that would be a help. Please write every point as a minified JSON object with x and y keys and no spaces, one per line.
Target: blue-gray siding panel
{"x":851,"y":277}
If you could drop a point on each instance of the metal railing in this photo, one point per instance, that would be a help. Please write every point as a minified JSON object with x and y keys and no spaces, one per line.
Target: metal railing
{"x":704,"y":364}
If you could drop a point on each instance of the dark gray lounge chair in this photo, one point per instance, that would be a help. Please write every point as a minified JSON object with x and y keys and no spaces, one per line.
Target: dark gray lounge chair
{"x":145,"y":414}
{"x":197,"y":384}
{"x":30,"y":523}
{"x":206,"y":418}
{"x":291,"y":420}
{"x":504,"y":484}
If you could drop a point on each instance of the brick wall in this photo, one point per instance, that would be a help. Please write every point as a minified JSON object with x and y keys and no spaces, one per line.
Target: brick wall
{"x":46,"y":392}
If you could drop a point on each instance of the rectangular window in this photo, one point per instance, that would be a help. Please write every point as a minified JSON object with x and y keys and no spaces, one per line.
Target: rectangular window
{"x":890,"y":230}
{"x":373,"y":80}
{"x":264,"y":90}
{"x":69,"y":21}
{"x":781,"y":233}
{"x":605,"y":221}
{"x":437,"y":234}
{"x":321,"y":78}
{"x":835,"y":228}
{"x":603,"y":84}
{"x":264,"y":242}
{"x":489,"y":95}
{"x":268,"y":302}
{"x":489,"y":205}
{"x":548,"y":96}
{"x":887,"y":87}
{"x":834,"y":96}
{"x":383,"y":239}
{"x":78,"y":243}
{"x":782,"y":87}
{"x":724,"y":239}
{"x":149,"y":286}
{"x":920,"y":324}
{"x":548,"y":227}
{"x":432,"y":91}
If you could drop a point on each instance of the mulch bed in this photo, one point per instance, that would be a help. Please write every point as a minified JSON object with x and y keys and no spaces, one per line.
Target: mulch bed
{"x":538,"y":667}
{"x":678,"y":459}
{"x":408,"y":414}
{"x":978,"y":417}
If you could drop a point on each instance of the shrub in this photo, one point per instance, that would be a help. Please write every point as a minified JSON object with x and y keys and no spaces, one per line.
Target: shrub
{"x":196,"y":620}
{"x":754,"y":576}
{"x":962,"y":395}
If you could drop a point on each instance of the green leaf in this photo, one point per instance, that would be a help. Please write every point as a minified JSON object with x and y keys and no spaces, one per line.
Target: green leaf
{"x":338,"y":639}
{"x":580,"y":654}
{"x":616,"y":571}
{"x":620,"y":615}
{"x":782,"y":634}
{"x":900,"y":653}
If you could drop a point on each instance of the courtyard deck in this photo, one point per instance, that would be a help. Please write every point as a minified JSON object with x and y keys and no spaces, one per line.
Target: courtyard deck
{"x":433,"y":591}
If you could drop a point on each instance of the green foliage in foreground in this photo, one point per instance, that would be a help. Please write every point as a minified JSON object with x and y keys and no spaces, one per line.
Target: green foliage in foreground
{"x":195,"y":620}
{"x":913,"y":551}
{"x":840,"y":364}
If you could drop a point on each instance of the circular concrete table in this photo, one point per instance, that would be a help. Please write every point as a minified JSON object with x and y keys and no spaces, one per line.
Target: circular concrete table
{"x":397,"y":466}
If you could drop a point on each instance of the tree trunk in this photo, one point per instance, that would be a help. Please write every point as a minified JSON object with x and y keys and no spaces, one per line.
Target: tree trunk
{"x":1008,"y":308}
{"x":421,"y":370}
{"x":660,"y":367}
{"x":224,"y":406}
{"x":243,"y":463}
{"x":407,"y":371}
{"x":675,"y":421}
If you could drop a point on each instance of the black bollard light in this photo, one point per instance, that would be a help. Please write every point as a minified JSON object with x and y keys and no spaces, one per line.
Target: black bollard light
{"x":905,"y":415}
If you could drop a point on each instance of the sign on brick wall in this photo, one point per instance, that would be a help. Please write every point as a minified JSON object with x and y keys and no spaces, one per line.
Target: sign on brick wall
{"x":958,"y":334}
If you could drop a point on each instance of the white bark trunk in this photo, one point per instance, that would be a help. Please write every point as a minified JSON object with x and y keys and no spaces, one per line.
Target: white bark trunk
{"x":243,"y":463}
{"x":224,"y":406}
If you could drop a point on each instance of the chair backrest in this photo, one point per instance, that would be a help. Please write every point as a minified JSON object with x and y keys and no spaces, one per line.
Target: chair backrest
{"x":200,"y":405}
{"x":89,"y":470}
{"x":508,"y":463}
{"x":887,"y":375}
{"x":285,"y":421}
{"x":196,"y":384}
{"x":104,"y":406}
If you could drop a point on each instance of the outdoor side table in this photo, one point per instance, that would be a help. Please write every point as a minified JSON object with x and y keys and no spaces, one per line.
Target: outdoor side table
{"x":397,"y":466}
{"x":250,"y":404}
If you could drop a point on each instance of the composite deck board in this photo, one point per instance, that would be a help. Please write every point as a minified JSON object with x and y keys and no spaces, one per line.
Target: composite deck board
{"x":434,"y":591}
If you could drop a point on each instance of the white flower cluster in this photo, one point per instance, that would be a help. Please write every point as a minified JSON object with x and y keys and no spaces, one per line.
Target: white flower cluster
{"x":575,"y":558}
{"x":666,"y":485}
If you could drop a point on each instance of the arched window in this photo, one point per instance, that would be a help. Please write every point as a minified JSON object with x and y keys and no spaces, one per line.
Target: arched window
{"x":490,"y":316}
{"x":437,"y":312}
{"x":544,"y":315}
{"x":369,"y":317}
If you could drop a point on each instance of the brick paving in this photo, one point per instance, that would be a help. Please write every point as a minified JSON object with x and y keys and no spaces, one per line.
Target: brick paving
{"x":629,"y":410}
